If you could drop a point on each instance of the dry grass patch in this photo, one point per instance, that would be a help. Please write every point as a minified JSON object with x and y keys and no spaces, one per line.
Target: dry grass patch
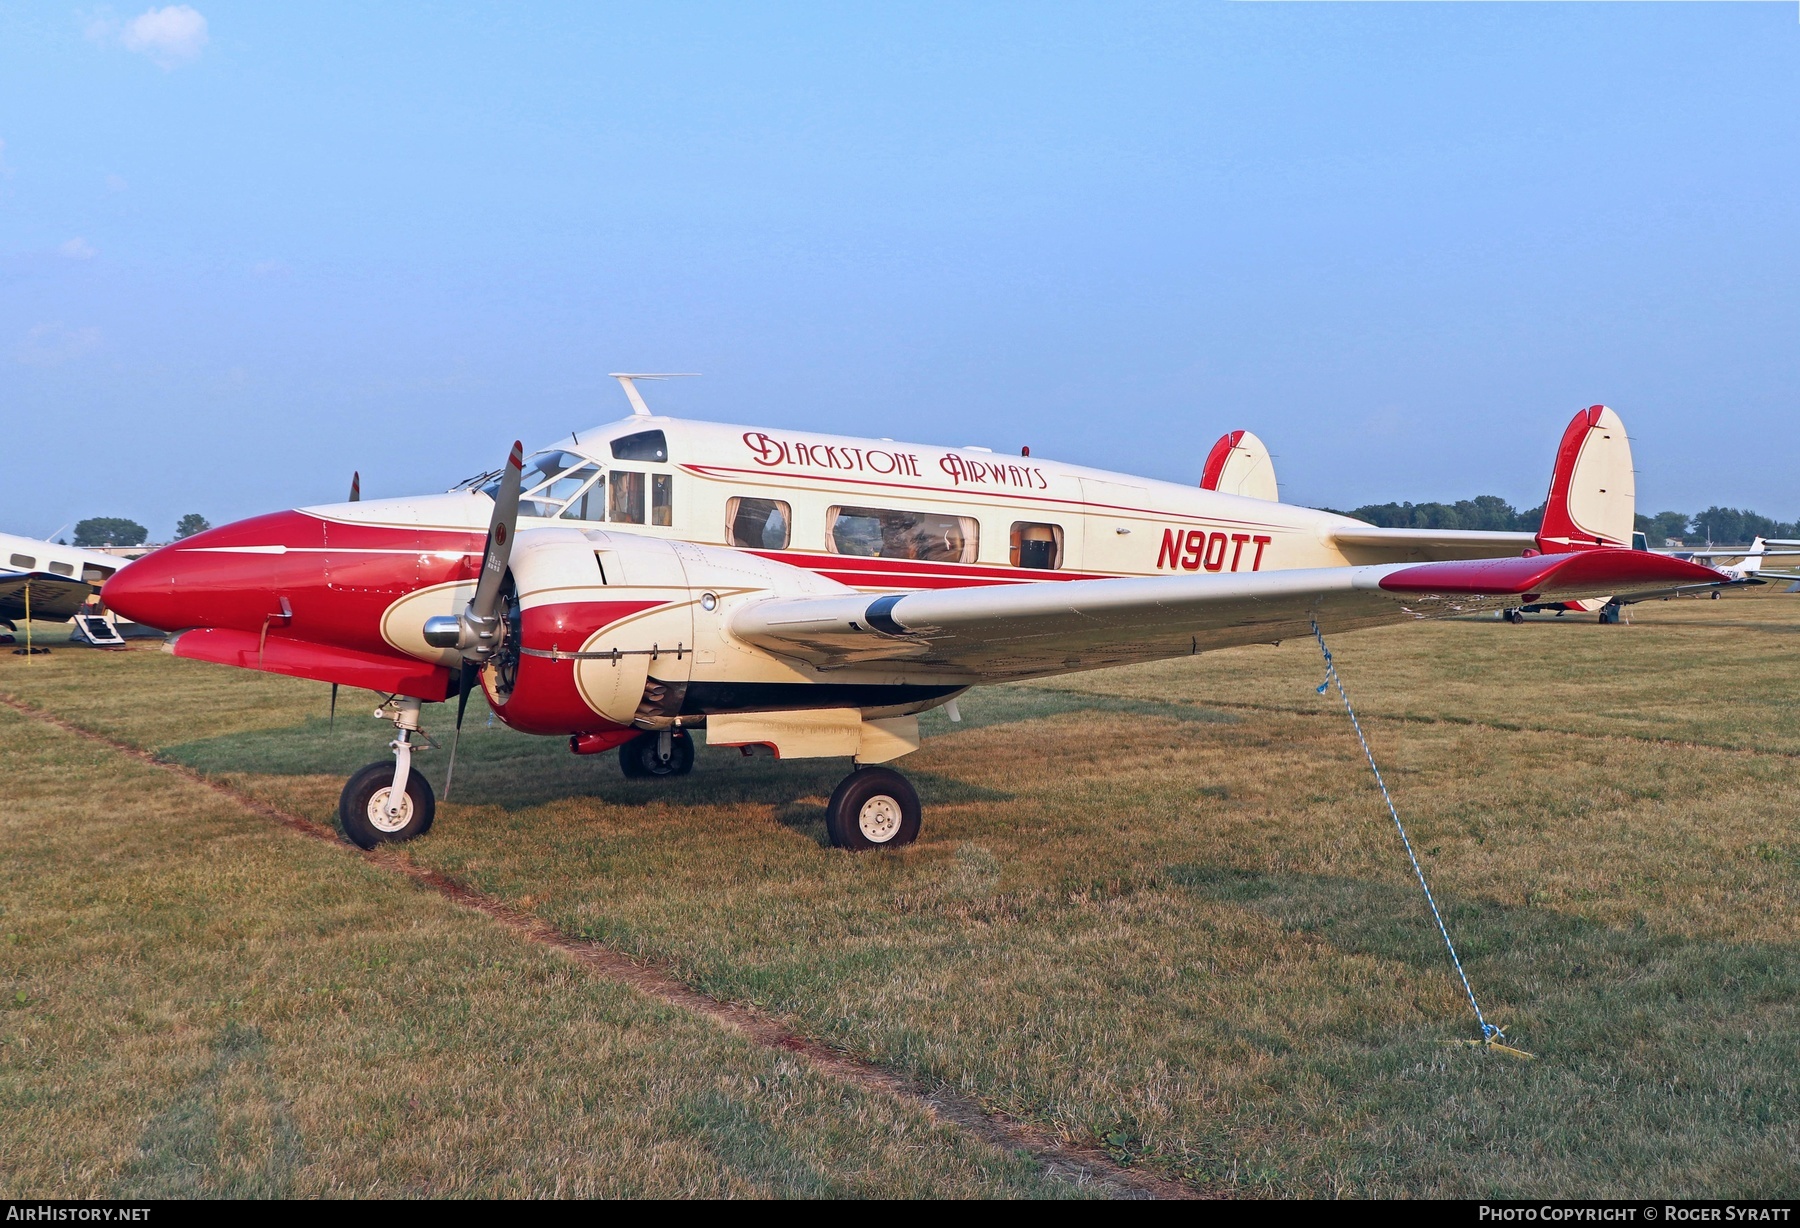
{"x":198,"y":1003}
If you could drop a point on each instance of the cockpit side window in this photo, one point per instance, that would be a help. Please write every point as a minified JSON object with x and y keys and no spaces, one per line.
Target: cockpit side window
{"x":643,"y":446}
{"x":590,"y":504}
{"x":625,"y":503}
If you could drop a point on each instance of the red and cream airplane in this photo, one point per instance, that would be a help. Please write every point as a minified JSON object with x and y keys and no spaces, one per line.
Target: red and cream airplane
{"x":811,"y":594}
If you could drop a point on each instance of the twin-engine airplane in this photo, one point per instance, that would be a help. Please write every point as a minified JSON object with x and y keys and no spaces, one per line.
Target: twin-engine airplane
{"x":810,"y":594}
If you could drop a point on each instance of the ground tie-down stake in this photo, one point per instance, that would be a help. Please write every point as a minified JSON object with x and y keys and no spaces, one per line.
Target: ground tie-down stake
{"x":1491,"y":1034}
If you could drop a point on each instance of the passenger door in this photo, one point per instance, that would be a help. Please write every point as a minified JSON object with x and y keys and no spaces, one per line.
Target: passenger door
{"x":1108,"y":508}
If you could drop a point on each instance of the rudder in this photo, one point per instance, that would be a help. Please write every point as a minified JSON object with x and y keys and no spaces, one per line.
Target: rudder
{"x":1593,"y":494}
{"x":1239,"y":464}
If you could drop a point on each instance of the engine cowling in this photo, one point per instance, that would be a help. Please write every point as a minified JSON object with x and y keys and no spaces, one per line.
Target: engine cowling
{"x":606,"y":628}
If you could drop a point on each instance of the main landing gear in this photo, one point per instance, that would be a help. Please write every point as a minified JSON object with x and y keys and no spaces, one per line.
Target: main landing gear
{"x":389,"y":802}
{"x":874,"y":808}
{"x":1515,"y":616}
{"x":665,"y":752}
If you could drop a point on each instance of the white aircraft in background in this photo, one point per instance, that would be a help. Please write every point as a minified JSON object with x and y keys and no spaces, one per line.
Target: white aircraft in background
{"x":49,"y":582}
{"x":813,"y":594}
{"x":1738,"y":563}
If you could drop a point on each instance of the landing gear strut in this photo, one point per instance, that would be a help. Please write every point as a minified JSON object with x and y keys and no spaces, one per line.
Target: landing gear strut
{"x":665,"y":752}
{"x":874,"y":808}
{"x":1515,"y":615}
{"x":384,"y":802}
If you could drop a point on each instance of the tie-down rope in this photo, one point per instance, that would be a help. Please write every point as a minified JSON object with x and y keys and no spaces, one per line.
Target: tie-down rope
{"x":1491,"y":1034}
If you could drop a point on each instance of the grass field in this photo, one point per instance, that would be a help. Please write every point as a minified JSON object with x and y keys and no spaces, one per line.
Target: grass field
{"x":1159,"y":908}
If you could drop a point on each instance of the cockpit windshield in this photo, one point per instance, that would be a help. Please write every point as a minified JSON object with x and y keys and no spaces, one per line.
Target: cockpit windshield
{"x":550,"y":482}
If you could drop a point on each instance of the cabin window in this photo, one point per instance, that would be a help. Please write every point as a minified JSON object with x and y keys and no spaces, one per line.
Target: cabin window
{"x":760,"y":524}
{"x":24,"y":561}
{"x":590,"y":504}
{"x":880,"y":533}
{"x":643,"y":446}
{"x":94,"y":575}
{"x":1037,"y":545}
{"x":662,"y":499}
{"x":625,"y":498}
{"x":63,"y":569}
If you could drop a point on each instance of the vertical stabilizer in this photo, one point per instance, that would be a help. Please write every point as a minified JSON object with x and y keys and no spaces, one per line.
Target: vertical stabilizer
{"x":1239,"y":464}
{"x":1593,"y":494}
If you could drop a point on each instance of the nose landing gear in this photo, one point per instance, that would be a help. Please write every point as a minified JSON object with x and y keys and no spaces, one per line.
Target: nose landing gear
{"x":386,"y":803}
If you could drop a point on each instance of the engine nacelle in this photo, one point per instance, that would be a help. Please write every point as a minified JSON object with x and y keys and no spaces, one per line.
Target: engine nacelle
{"x":608,"y":629}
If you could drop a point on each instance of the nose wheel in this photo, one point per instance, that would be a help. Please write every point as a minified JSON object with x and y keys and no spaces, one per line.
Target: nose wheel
{"x":388,"y":802}
{"x":873,"y":808}
{"x":365,"y":813}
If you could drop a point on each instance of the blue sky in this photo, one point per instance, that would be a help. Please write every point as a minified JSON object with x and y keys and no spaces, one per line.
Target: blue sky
{"x":245,"y":249}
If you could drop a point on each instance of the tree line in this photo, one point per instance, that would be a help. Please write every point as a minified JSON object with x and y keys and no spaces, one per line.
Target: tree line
{"x":97,"y":531}
{"x":1724,"y":525}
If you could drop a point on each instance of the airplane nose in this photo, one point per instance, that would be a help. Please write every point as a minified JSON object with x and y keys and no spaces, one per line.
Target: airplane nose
{"x":145,"y":592}
{"x":224,"y":577}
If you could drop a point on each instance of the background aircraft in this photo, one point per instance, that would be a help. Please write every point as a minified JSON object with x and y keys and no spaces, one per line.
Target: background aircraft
{"x":810,"y":594}
{"x":49,"y":582}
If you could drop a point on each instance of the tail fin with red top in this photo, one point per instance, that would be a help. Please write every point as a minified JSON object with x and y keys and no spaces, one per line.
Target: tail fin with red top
{"x":1239,"y":464}
{"x":1593,"y":494}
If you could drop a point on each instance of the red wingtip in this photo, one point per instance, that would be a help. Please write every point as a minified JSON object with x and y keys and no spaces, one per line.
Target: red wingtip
{"x":1215,"y":459}
{"x":1609,"y":570}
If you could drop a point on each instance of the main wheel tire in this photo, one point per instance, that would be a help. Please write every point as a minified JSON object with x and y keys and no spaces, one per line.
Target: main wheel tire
{"x":1515,"y":616}
{"x":873,"y":808}
{"x":362,"y":808}
{"x":1715,"y":594}
{"x":642,"y":756}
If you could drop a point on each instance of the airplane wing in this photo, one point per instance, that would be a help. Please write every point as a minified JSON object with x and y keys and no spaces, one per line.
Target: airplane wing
{"x":1003,"y":632}
{"x":1368,"y":544}
{"x":54,"y":598}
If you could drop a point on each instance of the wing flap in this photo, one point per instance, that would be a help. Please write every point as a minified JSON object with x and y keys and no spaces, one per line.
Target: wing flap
{"x":1368,"y":544}
{"x":1032,"y":630}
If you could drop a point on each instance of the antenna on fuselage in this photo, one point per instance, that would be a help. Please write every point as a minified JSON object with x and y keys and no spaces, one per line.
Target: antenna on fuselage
{"x":636,"y":398}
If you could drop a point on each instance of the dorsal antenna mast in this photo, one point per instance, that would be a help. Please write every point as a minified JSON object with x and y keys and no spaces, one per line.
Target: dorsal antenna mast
{"x":627,"y":382}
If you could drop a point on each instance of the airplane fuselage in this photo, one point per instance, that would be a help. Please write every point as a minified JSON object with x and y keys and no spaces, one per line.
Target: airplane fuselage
{"x":624,"y":521}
